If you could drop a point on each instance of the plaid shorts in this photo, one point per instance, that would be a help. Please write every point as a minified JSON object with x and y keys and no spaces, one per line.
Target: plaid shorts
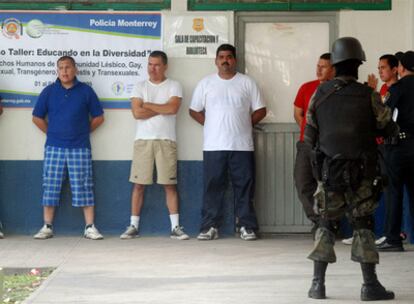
{"x":60,"y":161}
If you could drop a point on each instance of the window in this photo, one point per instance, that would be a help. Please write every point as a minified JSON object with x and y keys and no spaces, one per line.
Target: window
{"x":288,"y":5}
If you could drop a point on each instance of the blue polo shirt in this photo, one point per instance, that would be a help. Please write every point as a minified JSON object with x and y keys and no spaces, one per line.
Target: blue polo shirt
{"x":68,"y":113}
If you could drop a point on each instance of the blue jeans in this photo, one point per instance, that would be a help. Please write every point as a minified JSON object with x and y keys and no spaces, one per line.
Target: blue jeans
{"x":216,"y":166}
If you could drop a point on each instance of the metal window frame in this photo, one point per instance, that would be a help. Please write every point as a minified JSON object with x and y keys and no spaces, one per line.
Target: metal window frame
{"x":91,"y":5}
{"x":278,"y":207}
{"x":287,"y":5}
{"x":243,"y":18}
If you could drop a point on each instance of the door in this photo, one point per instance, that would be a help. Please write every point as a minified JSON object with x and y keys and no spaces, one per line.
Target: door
{"x":280,"y":51}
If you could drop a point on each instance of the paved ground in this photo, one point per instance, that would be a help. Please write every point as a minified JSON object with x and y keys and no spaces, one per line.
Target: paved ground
{"x":227,"y":271}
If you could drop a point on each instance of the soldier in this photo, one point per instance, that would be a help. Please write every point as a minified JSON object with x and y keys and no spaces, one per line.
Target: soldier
{"x":387,"y":70}
{"x":342,"y":122}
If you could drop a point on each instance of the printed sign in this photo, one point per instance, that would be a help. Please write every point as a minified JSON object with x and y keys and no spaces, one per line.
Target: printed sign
{"x":195,"y":36}
{"x":111,"y":51}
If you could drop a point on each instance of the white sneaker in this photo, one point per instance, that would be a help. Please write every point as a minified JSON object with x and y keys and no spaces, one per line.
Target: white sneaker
{"x":1,"y":235}
{"x":179,"y":234}
{"x":247,"y":234}
{"x":208,"y":235}
{"x":44,"y":233}
{"x":92,"y":233}
{"x":348,"y":241}
{"x":130,"y":233}
{"x":380,"y":240}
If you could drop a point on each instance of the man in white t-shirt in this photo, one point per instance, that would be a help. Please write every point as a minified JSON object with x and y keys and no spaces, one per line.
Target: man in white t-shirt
{"x":154,"y":104}
{"x":228,"y":104}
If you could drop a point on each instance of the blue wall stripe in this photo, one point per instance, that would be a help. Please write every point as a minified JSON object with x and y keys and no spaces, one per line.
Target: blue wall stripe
{"x":21,"y":190}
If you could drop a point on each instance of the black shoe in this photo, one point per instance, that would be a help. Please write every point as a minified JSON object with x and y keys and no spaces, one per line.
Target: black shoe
{"x":375,"y":292}
{"x":385,"y":246}
{"x":317,"y":290}
{"x":372,"y":290}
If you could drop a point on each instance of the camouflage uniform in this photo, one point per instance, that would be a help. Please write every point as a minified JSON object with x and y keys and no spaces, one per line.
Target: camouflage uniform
{"x":343,"y":121}
{"x":358,"y":204}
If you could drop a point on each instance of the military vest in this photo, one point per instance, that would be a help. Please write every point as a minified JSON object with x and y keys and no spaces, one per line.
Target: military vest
{"x":346,"y":122}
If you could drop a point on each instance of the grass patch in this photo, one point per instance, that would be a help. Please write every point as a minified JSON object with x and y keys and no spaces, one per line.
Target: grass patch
{"x":19,"y":283}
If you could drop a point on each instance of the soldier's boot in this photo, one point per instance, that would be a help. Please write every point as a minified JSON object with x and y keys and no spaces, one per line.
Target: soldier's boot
{"x":317,"y":289}
{"x":372,"y":290}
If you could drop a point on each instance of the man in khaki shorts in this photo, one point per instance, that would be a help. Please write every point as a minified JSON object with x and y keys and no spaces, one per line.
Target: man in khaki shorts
{"x":154,"y":104}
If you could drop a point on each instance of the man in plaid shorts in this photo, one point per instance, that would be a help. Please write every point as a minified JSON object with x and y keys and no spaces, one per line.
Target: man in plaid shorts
{"x":73,"y":111}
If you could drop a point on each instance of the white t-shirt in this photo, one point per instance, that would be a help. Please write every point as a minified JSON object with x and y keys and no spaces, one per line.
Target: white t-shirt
{"x":228,"y":105}
{"x":159,"y":126}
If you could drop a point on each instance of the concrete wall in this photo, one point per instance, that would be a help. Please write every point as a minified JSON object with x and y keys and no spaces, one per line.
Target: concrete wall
{"x":380,"y":32}
{"x":21,"y":149}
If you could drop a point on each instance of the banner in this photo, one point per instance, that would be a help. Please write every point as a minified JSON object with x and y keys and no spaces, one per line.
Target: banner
{"x":110,"y":48}
{"x":195,"y":36}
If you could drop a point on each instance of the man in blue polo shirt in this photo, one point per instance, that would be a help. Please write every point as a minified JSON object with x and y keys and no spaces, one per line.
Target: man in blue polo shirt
{"x":73,"y":111}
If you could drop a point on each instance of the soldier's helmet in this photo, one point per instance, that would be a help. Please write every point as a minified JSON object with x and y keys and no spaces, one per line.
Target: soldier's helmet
{"x":346,"y":48}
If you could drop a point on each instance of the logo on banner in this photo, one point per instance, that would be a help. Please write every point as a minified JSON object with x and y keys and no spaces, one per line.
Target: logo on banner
{"x":35,"y":28}
{"x":118,"y":88}
{"x":12,"y":28}
{"x":198,"y":24}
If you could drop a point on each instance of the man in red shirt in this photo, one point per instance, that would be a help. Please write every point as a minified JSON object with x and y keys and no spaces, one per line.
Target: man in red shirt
{"x":388,"y":73}
{"x":304,"y":180}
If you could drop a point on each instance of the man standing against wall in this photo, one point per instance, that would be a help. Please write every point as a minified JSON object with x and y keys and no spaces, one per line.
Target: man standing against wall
{"x":399,"y":153}
{"x":154,"y":104}
{"x":304,"y":180}
{"x":73,"y":111}
{"x":228,"y":104}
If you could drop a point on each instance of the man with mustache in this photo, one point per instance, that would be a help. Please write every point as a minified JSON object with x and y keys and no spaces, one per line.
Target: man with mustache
{"x":228,"y":104}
